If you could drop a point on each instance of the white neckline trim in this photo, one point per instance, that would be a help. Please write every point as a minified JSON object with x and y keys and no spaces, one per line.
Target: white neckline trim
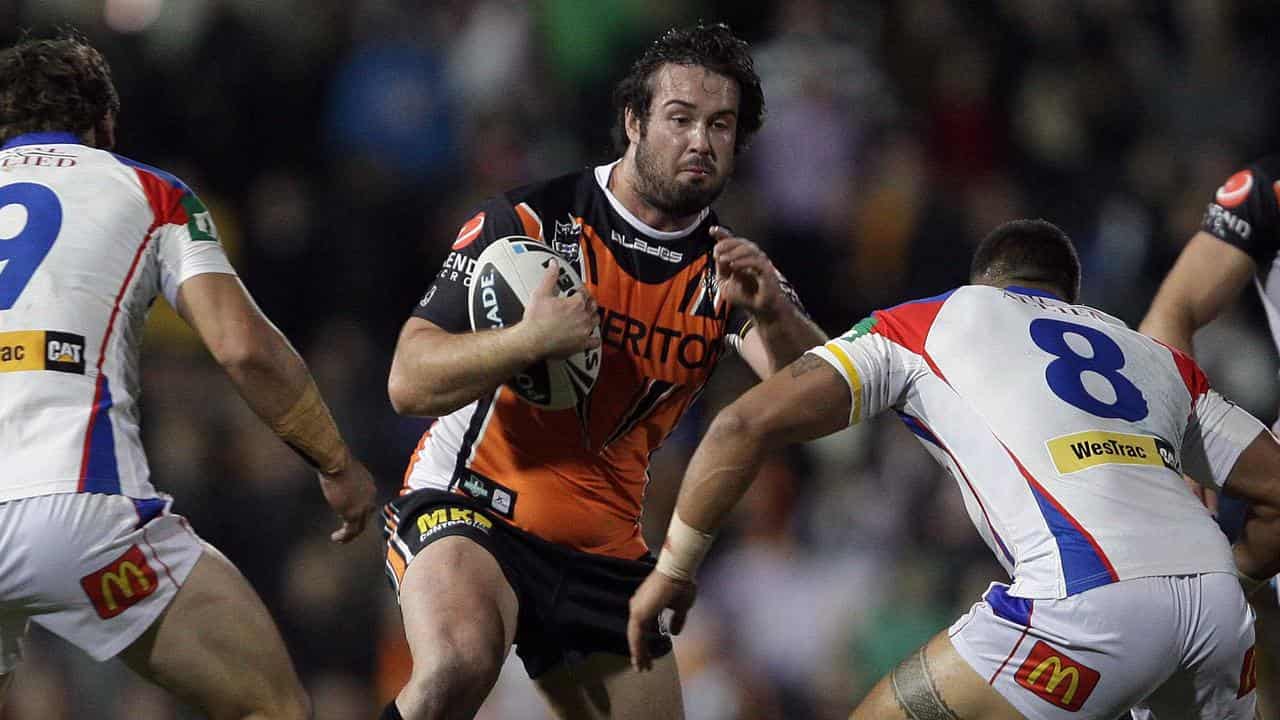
{"x":602,"y":179}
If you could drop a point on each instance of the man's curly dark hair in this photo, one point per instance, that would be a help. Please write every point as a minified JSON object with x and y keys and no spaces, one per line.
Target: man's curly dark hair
{"x":713,"y":47}
{"x":62,"y":84}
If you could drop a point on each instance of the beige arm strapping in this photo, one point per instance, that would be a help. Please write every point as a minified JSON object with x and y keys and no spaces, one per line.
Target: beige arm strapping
{"x":309,"y":429}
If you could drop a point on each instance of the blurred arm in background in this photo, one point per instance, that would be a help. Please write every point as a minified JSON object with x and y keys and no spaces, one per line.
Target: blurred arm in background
{"x":1208,"y":276}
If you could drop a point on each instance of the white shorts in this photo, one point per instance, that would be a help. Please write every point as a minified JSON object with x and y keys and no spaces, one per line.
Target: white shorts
{"x":1168,"y":647}
{"x":94,"y":569}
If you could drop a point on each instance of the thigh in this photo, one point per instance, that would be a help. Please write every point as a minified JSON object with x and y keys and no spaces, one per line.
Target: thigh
{"x":454,"y":597}
{"x":216,"y":646}
{"x":1217,"y":679}
{"x":460,"y":616}
{"x":604,"y":686}
{"x":934,"y":682}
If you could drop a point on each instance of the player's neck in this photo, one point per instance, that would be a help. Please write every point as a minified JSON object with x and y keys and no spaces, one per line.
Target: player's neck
{"x":1031,"y":285}
{"x":622,"y":183}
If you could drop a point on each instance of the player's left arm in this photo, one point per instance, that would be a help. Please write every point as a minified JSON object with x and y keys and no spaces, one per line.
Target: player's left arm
{"x":808,"y":400}
{"x":780,"y":330}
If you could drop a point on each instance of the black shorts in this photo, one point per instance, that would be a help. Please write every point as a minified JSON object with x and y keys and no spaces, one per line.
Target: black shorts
{"x":571,"y":603}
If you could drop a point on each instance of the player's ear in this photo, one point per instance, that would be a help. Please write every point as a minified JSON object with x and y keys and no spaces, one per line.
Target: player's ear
{"x":105,"y":132}
{"x":632,"y":126}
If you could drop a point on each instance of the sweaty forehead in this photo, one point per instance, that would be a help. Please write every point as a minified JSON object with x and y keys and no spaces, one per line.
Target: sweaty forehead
{"x":694,"y":85}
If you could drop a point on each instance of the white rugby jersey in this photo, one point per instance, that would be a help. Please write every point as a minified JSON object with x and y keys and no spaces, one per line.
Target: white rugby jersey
{"x":1065,"y":430}
{"x":87,"y":241}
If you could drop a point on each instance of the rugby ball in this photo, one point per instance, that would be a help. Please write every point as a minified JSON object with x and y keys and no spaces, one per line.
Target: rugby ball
{"x":506,"y":274}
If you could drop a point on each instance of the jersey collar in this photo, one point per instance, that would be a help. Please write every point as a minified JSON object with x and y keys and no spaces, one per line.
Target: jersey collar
{"x":43,"y":138}
{"x":1032,"y":291}
{"x":602,"y":179}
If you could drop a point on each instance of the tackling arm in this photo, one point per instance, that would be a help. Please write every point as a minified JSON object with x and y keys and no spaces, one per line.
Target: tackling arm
{"x":1207,"y":276}
{"x":807,"y":401}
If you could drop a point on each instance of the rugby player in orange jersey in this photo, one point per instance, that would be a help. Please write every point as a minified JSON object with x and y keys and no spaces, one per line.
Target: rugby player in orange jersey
{"x":520,"y":525}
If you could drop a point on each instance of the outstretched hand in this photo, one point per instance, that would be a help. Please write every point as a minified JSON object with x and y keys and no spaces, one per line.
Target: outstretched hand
{"x":351,"y":494}
{"x":746,"y":276}
{"x":658,"y":592}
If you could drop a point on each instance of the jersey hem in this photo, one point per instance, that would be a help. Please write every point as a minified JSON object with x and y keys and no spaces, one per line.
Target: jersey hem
{"x":60,"y":487}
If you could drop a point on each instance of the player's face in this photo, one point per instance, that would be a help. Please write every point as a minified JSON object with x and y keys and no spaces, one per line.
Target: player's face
{"x":685,"y":153}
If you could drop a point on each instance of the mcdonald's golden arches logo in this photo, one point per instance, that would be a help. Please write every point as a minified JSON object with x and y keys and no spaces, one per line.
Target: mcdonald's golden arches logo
{"x":120,"y":585}
{"x":1248,"y":674}
{"x":1056,"y":678}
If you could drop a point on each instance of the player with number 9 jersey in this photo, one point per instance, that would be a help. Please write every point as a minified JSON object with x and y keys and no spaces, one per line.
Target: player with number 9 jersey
{"x":88,"y":240}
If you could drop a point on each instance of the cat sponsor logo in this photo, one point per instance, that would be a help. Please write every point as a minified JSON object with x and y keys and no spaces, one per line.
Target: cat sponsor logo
{"x":22,"y":350}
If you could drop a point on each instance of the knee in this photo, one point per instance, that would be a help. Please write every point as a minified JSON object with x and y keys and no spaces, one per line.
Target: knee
{"x":451,"y":676}
{"x":289,"y":703}
{"x":295,"y":705}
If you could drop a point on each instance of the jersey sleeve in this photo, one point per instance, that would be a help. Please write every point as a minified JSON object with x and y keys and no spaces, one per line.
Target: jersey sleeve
{"x":1218,"y":432}
{"x":445,"y":302}
{"x":187,"y":242}
{"x":877,"y":370}
{"x":1245,"y":211}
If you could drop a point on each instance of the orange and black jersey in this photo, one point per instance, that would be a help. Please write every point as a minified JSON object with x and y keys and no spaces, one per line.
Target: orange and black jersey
{"x":577,"y":476}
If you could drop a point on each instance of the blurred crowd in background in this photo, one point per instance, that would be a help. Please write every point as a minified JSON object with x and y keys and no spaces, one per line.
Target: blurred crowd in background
{"x":340,"y":143}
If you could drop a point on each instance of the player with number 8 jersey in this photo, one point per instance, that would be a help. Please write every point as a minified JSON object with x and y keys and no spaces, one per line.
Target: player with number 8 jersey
{"x":1067,"y":434}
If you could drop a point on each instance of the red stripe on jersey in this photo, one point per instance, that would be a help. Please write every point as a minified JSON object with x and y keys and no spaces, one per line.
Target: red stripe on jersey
{"x":164,"y":198}
{"x":1106,"y":562}
{"x":908,"y":325}
{"x":102,"y":353}
{"x":1192,"y":376}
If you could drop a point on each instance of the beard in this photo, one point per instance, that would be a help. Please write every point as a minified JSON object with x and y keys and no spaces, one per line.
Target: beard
{"x":668,"y":194}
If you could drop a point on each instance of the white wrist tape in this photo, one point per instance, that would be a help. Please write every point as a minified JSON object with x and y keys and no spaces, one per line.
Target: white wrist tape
{"x":683,"y":550}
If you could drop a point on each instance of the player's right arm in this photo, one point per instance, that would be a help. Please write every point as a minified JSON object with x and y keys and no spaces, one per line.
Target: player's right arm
{"x":435,"y":371}
{"x":1208,"y":275}
{"x":276,"y":384}
{"x":441,"y":365}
